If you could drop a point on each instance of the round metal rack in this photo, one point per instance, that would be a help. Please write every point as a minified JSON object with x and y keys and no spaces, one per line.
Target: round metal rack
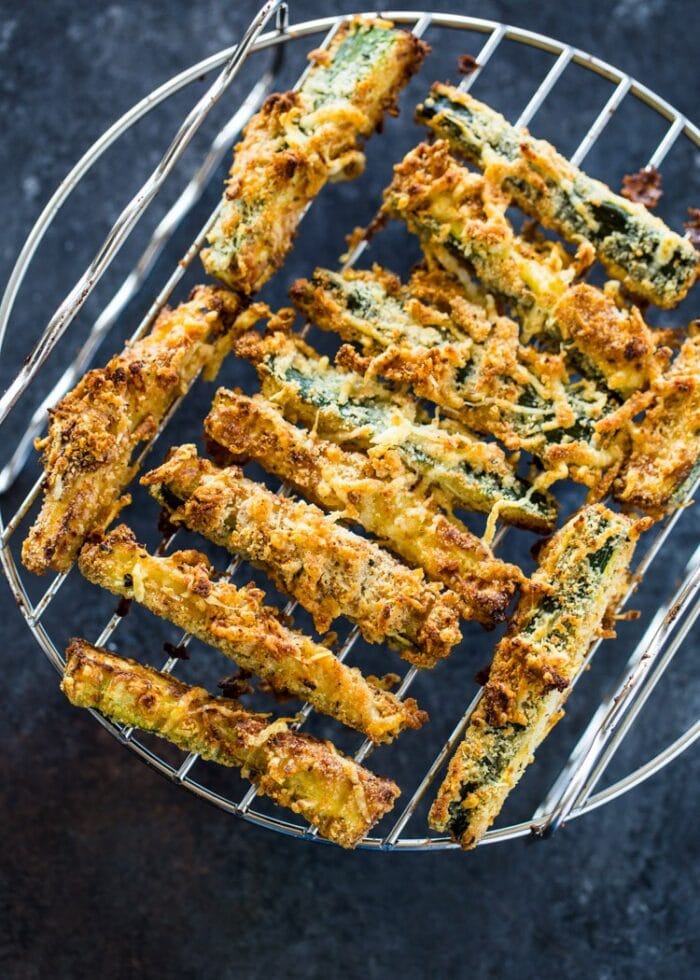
{"x":574,"y":791}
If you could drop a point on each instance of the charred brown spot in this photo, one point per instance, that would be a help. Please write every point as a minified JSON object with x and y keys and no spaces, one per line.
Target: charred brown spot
{"x":467,"y":64}
{"x":643,"y":187}
{"x":280,"y":102}
{"x":179,"y":652}
{"x":634,"y":349}
{"x":236,"y":685}
{"x":692,"y":226}
{"x":123,"y":606}
{"x":554,"y":681}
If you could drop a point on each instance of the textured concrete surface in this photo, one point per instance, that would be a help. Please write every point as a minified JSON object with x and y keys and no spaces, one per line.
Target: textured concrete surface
{"x":107,"y":870}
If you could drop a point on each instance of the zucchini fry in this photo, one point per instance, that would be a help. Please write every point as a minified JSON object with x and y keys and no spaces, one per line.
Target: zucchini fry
{"x":358,"y":411}
{"x":302,"y":139}
{"x":461,"y":220}
{"x":330,"y":570}
{"x":310,"y":777}
{"x":182,"y":589}
{"x":457,"y":351}
{"x":665,"y":459}
{"x":94,"y":430}
{"x":377,"y":494}
{"x":634,"y":245}
{"x":582,"y":573}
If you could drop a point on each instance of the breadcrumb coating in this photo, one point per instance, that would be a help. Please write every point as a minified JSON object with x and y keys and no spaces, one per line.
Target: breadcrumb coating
{"x":300,"y":140}
{"x":310,"y":777}
{"x":449,"y":343}
{"x":664,"y":461}
{"x":182,"y":589}
{"x":378,"y":494}
{"x":356,"y":411}
{"x":460,"y":218}
{"x":95,"y":429}
{"x":634,"y":245}
{"x":581,"y":576}
{"x":330,"y":570}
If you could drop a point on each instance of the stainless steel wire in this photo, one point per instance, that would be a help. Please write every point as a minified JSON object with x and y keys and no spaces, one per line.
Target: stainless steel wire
{"x":572,"y":794}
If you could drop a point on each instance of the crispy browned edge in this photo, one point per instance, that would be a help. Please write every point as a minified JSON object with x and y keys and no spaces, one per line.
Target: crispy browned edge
{"x":297,"y":771}
{"x":182,"y":588}
{"x":95,"y":429}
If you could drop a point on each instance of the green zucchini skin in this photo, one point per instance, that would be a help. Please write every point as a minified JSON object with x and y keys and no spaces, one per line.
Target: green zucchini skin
{"x":301,"y":140}
{"x":459,"y":354}
{"x":581,"y":576}
{"x":634,"y":245}
{"x":460,"y":218}
{"x":378,"y":494}
{"x":364,"y":414}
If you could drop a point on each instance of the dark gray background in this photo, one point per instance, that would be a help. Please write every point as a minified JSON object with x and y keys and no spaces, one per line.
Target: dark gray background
{"x":106,"y":869}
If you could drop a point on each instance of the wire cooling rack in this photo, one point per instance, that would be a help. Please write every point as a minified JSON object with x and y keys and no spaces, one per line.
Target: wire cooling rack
{"x":574,"y":791}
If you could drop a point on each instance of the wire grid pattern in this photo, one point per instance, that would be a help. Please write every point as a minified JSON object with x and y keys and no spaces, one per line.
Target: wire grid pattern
{"x":573,"y":792}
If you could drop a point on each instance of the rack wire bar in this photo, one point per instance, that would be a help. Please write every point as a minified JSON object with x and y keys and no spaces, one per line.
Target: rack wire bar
{"x":643,"y":695}
{"x":590,"y":748}
{"x":615,"y":716}
{"x":601,"y":121}
{"x":497,"y":34}
{"x":545,"y":87}
{"x":133,"y":282}
{"x":126,"y":221}
{"x":553,"y":797}
{"x":667,"y":142}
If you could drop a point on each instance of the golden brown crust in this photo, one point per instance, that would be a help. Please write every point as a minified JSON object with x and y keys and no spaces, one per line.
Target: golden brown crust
{"x":451,"y":345}
{"x":460,"y":215}
{"x":182,"y":589}
{"x":635,"y":246}
{"x":297,"y":771}
{"x":378,"y":494}
{"x":299,"y":141}
{"x":94,"y":430}
{"x":663,"y":463}
{"x":573,"y":593}
{"x":328,"y":569}
{"x":616,"y":342}
{"x":353,"y":409}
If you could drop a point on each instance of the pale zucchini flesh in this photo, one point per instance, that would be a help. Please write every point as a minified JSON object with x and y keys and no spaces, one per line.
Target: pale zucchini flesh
{"x":294,"y":770}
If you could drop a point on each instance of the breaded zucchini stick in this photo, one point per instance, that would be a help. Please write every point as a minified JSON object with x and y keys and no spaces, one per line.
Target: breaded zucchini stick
{"x":358,"y":411}
{"x":330,"y":570}
{"x":582,"y":573}
{"x":94,"y":430}
{"x":379,"y":495}
{"x":182,"y":589}
{"x":461,"y":220}
{"x":301,"y":140}
{"x":665,"y":459}
{"x":310,"y":777}
{"x":634,"y":245}
{"x":457,"y":351}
